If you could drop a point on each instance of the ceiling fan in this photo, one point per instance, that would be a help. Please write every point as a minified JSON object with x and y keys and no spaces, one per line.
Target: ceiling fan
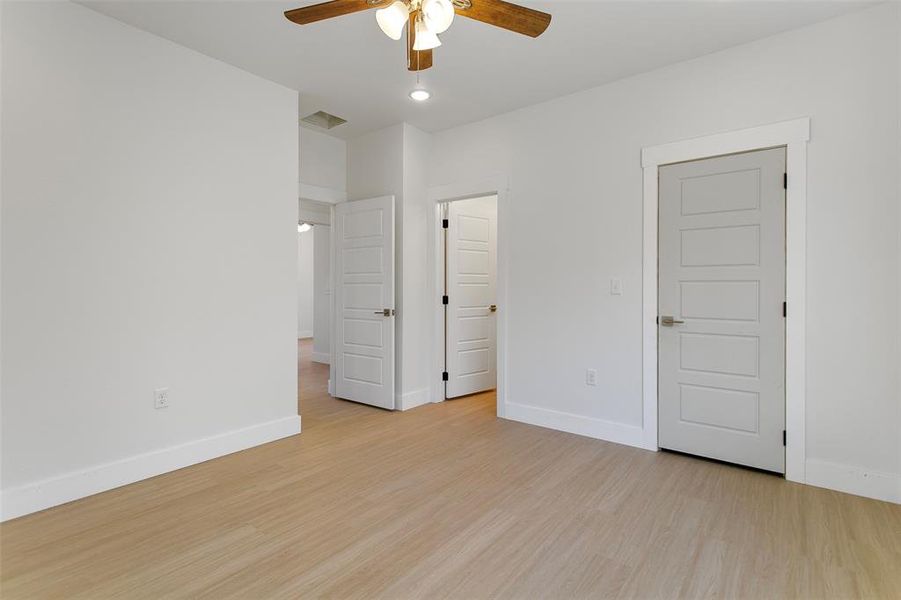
{"x":425,"y":19}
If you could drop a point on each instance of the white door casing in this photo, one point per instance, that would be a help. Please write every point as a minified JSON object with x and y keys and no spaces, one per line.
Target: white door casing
{"x":471,"y":340}
{"x":364,"y":301}
{"x":721,"y":373}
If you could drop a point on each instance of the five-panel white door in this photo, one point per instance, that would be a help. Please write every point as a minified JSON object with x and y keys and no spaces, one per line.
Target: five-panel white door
{"x":364,"y":301}
{"x":471,"y":351}
{"x":721,"y":327}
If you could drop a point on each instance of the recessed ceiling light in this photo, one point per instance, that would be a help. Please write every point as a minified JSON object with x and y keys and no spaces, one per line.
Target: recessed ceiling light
{"x":420,"y":95}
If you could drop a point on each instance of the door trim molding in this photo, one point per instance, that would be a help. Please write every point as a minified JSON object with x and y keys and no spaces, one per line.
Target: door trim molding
{"x":321,"y":194}
{"x":794,"y":135}
{"x":463,"y":190}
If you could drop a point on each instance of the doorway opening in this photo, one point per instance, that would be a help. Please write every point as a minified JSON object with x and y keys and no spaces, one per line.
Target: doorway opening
{"x":313,"y":301}
{"x":468,"y":259}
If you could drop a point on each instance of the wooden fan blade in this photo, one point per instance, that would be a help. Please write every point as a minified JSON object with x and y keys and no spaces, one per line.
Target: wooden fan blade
{"x":507,"y":16}
{"x":327,"y":10}
{"x":420,"y":60}
{"x":417,"y":60}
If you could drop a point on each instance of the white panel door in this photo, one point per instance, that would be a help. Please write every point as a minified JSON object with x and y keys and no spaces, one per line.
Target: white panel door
{"x":364,"y":301}
{"x":471,"y":308}
{"x":721,"y":292}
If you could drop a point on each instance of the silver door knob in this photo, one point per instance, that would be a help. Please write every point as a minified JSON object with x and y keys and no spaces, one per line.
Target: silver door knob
{"x":385,"y":312}
{"x":493,"y":308}
{"x":668,"y":321}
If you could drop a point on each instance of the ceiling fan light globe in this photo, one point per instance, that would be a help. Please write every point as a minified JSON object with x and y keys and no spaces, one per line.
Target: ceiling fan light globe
{"x":425,"y":38}
{"x":392,"y":19}
{"x":438,"y":15}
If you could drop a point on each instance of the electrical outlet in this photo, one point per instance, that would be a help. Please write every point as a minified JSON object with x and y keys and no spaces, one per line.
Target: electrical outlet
{"x":591,"y":377}
{"x":161,"y":398}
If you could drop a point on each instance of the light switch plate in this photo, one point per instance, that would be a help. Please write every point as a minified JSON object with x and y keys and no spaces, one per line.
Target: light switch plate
{"x":616,"y":287}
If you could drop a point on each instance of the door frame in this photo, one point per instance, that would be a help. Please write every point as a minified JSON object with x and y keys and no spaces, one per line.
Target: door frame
{"x":794,"y":136}
{"x":464,"y":190}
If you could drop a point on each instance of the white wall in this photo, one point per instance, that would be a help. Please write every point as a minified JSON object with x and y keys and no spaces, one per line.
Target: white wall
{"x":322,"y":293}
{"x":323,"y":166}
{"x":149,"y":204}
{"x":575,"y":222}
{"x":375,"y":164}
{"x":418,"y":311}
{"x":323,"y":159}
{"x":305,"y":286}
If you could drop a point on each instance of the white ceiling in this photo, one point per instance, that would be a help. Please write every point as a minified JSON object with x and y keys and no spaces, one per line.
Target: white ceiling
{"x":348,"y":67}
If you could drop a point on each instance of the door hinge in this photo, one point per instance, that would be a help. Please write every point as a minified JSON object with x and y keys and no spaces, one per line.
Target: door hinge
{"x":444,"y":223}
{"x":444,"y":299}
{"x":784,"y":437}
{"x":444,"y":376}
{"x":785,"y":181}
{"x":785,"y":309}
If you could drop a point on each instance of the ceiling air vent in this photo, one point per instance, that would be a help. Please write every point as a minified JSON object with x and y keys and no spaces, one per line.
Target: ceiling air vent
{"x":323,"y":119}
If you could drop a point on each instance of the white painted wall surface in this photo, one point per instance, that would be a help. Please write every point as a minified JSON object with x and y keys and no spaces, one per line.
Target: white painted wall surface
{"x":417,"y":317}
{"x":305,"y":284}
{"x":322,"y":293}
{"x":898,"y":370}
{"x":149,"y":202}
{"x":576,"y":209}
{"x":323,"y":160}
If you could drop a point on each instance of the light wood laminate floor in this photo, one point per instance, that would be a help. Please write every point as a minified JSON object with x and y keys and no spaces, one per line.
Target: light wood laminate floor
{"x":446,"y":501}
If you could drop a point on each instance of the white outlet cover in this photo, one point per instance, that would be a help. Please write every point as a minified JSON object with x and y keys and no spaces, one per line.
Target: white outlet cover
{"x":591,"y":377}
{"x":161,"y":398}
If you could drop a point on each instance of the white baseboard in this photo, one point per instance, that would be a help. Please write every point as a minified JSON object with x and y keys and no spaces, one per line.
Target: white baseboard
{"x":321,"y":357}
{"x":610,"y":431}
{"x":412,"y":399}
{"x":331,"y":389}
{"x":842,"y":478}
{"x":303,"y":335}
{"x":46,"y":493}
{"x":853,"y":480}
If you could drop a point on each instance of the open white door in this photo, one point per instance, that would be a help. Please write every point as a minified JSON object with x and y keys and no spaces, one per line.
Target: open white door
{"x":470,"y":316}
{"x":364,"y":301}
